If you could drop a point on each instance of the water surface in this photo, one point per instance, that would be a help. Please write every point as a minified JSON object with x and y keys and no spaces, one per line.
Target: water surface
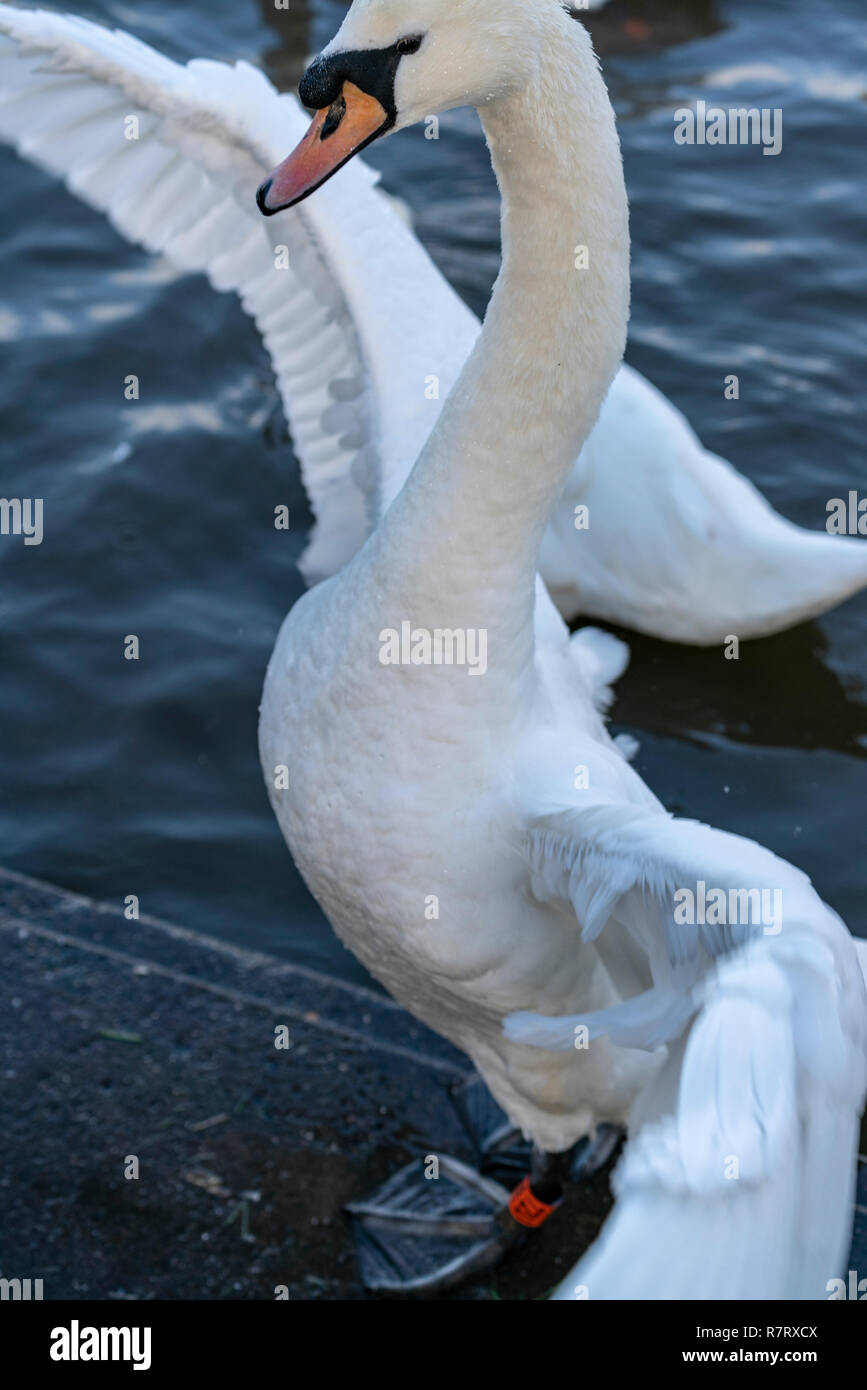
{"x":119,"y":777}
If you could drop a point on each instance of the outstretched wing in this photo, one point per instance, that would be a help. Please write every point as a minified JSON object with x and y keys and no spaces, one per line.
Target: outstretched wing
{"x":352,"y":311}
{"x":738,"y":1177}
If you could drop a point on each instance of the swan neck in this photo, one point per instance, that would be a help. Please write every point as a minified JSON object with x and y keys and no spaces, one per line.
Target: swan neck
{"x":529,"y":395}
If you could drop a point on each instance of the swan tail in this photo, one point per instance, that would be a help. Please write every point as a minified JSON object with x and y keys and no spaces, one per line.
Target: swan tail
{"x":817,"y":572}
{"x":786,"y":575}
{"x":709,"y":557}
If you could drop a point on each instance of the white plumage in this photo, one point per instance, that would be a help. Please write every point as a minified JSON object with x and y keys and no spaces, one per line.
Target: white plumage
{"x":716,"y":1042}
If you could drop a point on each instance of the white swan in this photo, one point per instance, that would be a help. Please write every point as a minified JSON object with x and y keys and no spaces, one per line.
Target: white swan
{"x":414,"y":785}
{"x":733,"y":1042}
{"x":679,"y":545}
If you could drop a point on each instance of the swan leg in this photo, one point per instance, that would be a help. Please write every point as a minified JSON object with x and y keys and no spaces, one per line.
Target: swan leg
{"x":539,"y":1194}
{"x":502,"y":1151}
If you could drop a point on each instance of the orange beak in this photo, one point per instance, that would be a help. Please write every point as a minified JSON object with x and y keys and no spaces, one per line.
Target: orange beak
{"x":337,"y":133}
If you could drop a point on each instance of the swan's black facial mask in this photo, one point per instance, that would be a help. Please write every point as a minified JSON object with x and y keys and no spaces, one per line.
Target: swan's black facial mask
{"x":353,"y":95}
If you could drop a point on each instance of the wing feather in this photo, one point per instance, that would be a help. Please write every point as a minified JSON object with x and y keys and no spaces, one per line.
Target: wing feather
{"x":349,"y":345}
{"x":738,"y":1178}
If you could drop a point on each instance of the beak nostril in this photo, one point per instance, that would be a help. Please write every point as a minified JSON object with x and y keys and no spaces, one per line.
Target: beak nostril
{"x":336,"y":112}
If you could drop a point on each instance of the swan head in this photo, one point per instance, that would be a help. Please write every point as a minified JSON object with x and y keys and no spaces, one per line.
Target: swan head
{"x":395,"y":62}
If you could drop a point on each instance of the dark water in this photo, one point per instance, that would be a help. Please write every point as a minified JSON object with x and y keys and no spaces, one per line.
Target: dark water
{"x":119,"y":777}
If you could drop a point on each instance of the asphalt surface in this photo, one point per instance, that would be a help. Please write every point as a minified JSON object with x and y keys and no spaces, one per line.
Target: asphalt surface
{"x":137,"y":1040}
